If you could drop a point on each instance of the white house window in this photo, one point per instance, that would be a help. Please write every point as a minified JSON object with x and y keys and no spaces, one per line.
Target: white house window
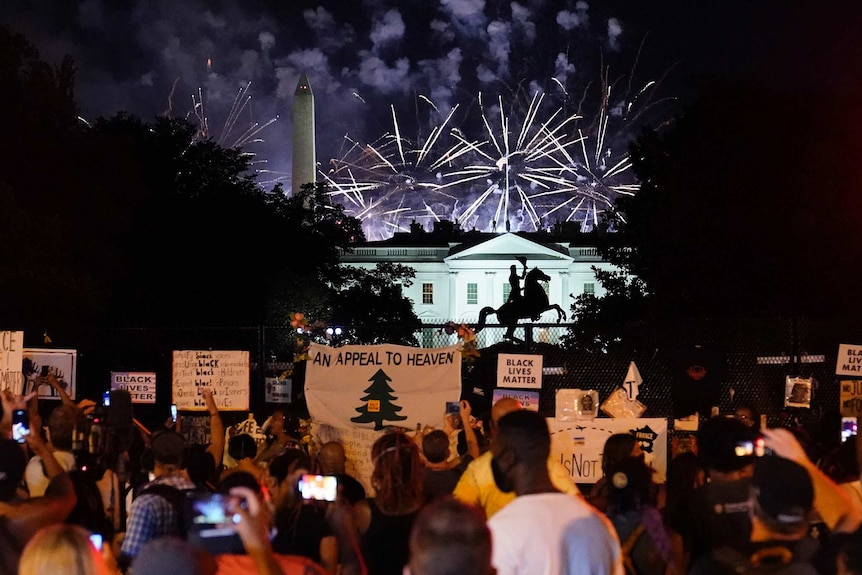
{"x":427,"y":293}
{"x":589,"y":289}
{"x":472,"y":293}
{"x":507,"y":290}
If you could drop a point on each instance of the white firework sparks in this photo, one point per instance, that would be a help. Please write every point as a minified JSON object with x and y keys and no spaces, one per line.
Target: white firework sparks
{"x":533,"y":164}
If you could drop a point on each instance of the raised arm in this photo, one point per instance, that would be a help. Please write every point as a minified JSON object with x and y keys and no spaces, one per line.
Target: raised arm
{"x":469,"y":432}
{"x":216,"y":447}
{"x":837,"y":510}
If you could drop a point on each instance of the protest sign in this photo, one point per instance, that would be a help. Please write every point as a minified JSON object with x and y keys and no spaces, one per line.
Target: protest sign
{"x":141,"y":385}
{"x":226,"y":373}
{"x":357,"y":444}
{"x":11,"y":358}
{"x":277,"y":390}
{"x":520,"y":371}
{"x":851,"y":398}
{"x":37,"y":364}
{"x":849,"y":360}
{"x":578,"y":445}
{"x":529,"y":399}
{"x":378,"y":386}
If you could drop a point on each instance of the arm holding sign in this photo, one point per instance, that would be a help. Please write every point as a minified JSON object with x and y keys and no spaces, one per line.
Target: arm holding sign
{"x":469,"y":433}
{"x":216,"y":447}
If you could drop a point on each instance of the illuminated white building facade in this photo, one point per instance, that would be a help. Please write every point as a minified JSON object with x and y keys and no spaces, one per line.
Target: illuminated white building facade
{"x":456,"y":279}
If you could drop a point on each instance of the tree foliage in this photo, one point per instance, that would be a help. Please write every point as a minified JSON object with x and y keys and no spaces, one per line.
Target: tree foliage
{"x":141,"y":223}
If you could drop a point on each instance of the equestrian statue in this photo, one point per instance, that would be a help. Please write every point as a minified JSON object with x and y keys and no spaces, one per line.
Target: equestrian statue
{"x":527,"y":304}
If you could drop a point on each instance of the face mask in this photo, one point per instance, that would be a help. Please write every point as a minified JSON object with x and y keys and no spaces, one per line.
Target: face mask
{"x":503,"y":484}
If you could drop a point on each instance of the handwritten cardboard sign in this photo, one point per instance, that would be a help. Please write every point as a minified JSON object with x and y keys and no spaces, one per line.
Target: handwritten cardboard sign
{"x":226,"y":373}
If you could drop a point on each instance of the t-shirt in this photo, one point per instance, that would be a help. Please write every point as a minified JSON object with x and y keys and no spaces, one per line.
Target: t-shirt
{"x":553,"y":534}
{"x":477,"y":487}
{"x":34,"y":474}
{"x":697,"y":376}
{"x":440,"y":482}
{"x":719,"y":517}
{"x":244,"y":565}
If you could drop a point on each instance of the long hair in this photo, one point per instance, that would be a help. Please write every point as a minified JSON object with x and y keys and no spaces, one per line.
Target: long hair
{"x":63,"y":549}
{"x":617,"y":447}
{"x":398,"y":473}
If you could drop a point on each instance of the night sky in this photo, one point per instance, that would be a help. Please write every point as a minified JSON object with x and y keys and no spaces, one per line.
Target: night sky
{"x":129,"y":54}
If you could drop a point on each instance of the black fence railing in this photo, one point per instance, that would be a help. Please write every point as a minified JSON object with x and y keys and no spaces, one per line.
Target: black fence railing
{"x":757,"y":355}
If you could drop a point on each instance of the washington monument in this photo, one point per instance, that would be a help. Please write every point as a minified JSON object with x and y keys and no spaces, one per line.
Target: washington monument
{"x":304,"y":162}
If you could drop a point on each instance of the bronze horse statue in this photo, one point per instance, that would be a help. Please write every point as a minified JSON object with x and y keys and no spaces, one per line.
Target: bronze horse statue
{"x":531,"y":305}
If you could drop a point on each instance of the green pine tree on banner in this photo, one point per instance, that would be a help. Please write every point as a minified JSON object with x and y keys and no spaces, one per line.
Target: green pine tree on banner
{"x":378,"y":403}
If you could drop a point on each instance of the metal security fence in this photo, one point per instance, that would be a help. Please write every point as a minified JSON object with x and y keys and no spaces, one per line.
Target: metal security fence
{"x":756,"y":355}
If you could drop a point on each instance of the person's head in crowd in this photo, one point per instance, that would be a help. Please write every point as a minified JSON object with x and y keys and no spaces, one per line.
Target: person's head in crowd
{"x":450,"y":538}
{"x":717,"y":441}
{"x":63,"y":421}
{"x":849,"y":558}
{"x":782,"y":498}
{"x":13,"y":462}
{"x":501,"y":408}
{"x":617,"y":447}
{"x":747,"y":415}
{"x":284,"y":472}
{"x":200,"y":464}
{"x":332,"y":458}
{"x":630,"y":486}
{"x":435,"y":446}
{"x":398,"y":473}
{"x":168,"y":449}
{"x":172,"y":555}
{"x":521,"y":449}
{"x":63,"y":549}
{"x":241,"y":447}
{"x":239,"y":479}
{"x":283,"y":424}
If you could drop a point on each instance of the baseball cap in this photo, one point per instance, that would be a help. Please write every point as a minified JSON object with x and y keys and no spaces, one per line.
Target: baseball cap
{"x":783,"y":489}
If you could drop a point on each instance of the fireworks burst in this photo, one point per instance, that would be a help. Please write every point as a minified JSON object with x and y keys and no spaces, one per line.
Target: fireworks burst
{"x":534,"y":162}
{"x":234,"y":133}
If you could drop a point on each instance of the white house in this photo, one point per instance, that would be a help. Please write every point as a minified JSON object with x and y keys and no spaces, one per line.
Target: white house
{"x":459,"y":273}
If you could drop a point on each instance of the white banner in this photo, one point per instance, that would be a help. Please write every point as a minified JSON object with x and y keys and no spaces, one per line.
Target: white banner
{"x":375,"y":386}
{"x":578,"y":445}
{"x":38,"y":363}
{"x":519,"y":371}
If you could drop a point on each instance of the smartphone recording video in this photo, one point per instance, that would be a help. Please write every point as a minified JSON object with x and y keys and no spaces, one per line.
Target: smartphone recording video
{"x":106,"y":398}
{"x":20,"y":425}
{"x":211,"y":516}
{"x":756,"y":448}
{"x":318,"y":487}
{"x":849,"y":426}
{"x":96,"y":540}
{"x":453,"y":407}
{"x":174,"y":412}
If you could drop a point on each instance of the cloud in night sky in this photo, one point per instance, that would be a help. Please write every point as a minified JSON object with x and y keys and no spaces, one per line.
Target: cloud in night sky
{"x":360,"y":57}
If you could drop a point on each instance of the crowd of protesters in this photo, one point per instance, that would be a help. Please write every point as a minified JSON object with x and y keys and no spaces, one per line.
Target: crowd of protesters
{"x":443,"y":502}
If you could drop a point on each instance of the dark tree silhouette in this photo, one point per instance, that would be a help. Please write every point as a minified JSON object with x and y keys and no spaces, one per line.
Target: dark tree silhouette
{"x":378,"y":402}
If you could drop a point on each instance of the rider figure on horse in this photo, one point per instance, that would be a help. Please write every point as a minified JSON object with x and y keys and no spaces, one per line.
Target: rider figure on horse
{"x":515,"y":280}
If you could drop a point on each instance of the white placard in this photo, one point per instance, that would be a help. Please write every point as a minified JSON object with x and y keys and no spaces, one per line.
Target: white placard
{"x":226,"y":373}
{"x":849,"y":360}
{"x":141,"y":385}
{"x":578,"y":445}
{"x":277,"y":390}
{"x":11,"y":358}
{"x":519,"y":371}
{"x":37,"y":363}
